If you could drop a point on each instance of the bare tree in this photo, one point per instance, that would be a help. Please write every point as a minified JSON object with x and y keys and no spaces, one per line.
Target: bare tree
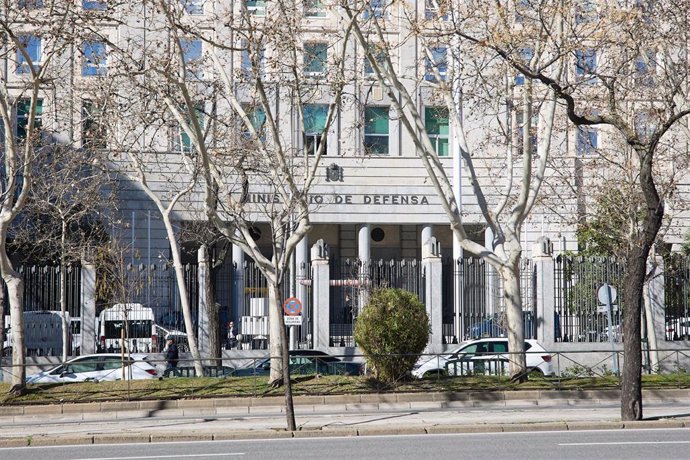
{"x":473,"y":91}
{"x":33,"y":44}
{"x":628,"y":77}
{"x":65,"y":215}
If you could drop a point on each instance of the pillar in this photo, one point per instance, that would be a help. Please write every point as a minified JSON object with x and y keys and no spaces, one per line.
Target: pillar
{"x":364,"y":252}
{"x":544,"y":265}
{"x":433,"y":269}
{"x":88,"y":308}
{"x":237,"y":308}
{"x":321,"y":294}
{"x":301,"y":291}
{"x":202,"y":319}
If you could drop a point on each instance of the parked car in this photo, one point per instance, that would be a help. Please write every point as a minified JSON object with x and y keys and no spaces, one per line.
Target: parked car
{"x":306,"y":362}
{"x":96,"y":368}
{"x":489,"y":355}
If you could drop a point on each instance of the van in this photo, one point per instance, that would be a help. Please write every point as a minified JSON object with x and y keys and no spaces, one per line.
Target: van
{"x":134,"y":322}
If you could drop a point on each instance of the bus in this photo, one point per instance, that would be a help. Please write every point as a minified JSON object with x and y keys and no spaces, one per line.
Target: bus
{"x":134,"y":322}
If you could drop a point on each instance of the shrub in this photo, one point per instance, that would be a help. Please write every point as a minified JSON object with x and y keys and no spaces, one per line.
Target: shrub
{"x":392,"y":330}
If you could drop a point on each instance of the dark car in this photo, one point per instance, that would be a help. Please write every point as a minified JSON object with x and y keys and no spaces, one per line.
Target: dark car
{"x":305,"y":362}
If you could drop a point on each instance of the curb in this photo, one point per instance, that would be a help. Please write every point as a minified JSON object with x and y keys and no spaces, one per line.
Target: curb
{"x":167,"y":437}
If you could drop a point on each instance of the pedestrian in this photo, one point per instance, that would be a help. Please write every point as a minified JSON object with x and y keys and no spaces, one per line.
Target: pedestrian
{"x":230,"y":336}
{"x":172,"y":355}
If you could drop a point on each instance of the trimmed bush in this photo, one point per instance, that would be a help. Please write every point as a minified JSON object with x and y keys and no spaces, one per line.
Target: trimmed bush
{"x":392,"y":330}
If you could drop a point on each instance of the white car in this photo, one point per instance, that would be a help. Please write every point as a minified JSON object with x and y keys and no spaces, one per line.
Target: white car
{"x":96,"y":368}
{"x":485,"y":356}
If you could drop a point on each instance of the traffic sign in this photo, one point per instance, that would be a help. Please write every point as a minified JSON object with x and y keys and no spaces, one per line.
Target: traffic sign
{"x":603,"y":295}
{"x":292,"y":320}
{"x":292,"y":306}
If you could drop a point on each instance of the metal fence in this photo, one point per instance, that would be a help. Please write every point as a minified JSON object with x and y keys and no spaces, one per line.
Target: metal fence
{"x":481,"y":299}
{"x":577,"y":317}
{"x":42,"y":289}
{"x":352,"y":278}
{"x":676,"y":297}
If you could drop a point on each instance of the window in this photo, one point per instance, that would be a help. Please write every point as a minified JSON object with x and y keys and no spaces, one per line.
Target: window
{"x":93,"y":131}
{"x":376,"y":130}
{"x":95,"y":60}
{"x":375,"y":9}
{"x":645,"y":126}
{"x":23,"y":111}
{"x":314,"y":9}
{"x":182,"y":141}
{"x":32,"y":45}
{"x":523,"y":10}
{"x":257,"y":117}
{"x":192,"y":53}
{"x":436,"y":9}
{"x":256,"y":7}
{"x":520,"y":124}
{"x":436,"y":123}
{"x":437,"y":63}
{"x":526,"y":55}
{"x":586,"y":140}
{"x":585,"y":64}
{"x":97,"y":5}
{"x":315,"y":58}
{"x":30,"y":4}
{"x":645,"y":68}
{"x":379,"y":54}
{"x":246,"y":60}
{"x":193,"y":6}
{"x":315,"y":116}
{"x":585,"y":11}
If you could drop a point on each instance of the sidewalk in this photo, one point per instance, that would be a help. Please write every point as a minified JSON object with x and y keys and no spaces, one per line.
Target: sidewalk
{"x":351,"y":415}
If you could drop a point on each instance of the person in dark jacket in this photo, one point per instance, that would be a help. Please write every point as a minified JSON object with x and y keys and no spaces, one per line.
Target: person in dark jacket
{"x":172,"y":355}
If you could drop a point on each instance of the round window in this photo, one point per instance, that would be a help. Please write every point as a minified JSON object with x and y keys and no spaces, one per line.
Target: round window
{"x":378,"y":234}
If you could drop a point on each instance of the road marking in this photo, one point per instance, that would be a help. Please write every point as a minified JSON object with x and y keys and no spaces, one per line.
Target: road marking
{"x":621,"y":443}
{"x":165,"y":456}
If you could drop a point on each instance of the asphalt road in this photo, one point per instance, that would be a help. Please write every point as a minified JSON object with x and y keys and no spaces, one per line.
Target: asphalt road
{"x":606,"y":444}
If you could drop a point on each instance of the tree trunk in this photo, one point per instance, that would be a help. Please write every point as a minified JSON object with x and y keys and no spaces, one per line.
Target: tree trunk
{"x":66,"y":342}
{"x":15,"y":297}
{"x":276,"y":326}
{"x":631,"y":377}
{"x":284,"y":358}
{"x":516,"y":324}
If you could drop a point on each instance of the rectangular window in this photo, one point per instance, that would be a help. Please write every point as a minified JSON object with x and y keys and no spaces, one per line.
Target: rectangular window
{"x":437,"y":63}
{"x":93,"y":131}
{"x":193,"y":6}
{"x":586,"y":140}
{"x":315,"y":116}
{"x":23,"y":111}
{"x":375,"y":9}
{"x":585,"y":11}
{"x":256,"y":7}
{"x":436,"y":121}
{"x":314,"y":9}
{"x":182,"y":142}
{"x":526,"y":55}
{"x":645,"y":68}
{"x":376,"y":130}
{"x":246,"y":60}
{"x":379,"y":54}
{"x":315,"y":58}
{"x":257,"y":118}
{"x":436,"y":9}
{"x":585,"y":63}
{"x":32,"y":45}
{"x":97,"y":5}
{"x":94,"y":59}
{"x":30,"y":4}
{"x":192,"y":54}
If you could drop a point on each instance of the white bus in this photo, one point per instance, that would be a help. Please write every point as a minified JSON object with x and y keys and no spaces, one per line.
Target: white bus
{"x":135,"y":320}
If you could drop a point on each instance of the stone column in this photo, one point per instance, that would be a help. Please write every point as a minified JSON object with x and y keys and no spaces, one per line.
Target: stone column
{"x":321,"y":294}
{"x":88,"y":308}
{"x":237,"y":307}
{"x":544,"y":265}
{"x":364,"y":252}
{"x":655,"y":312}
{"x":202,"y":318}
{"x":301,"y":291}
{"x":433,"y":267}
